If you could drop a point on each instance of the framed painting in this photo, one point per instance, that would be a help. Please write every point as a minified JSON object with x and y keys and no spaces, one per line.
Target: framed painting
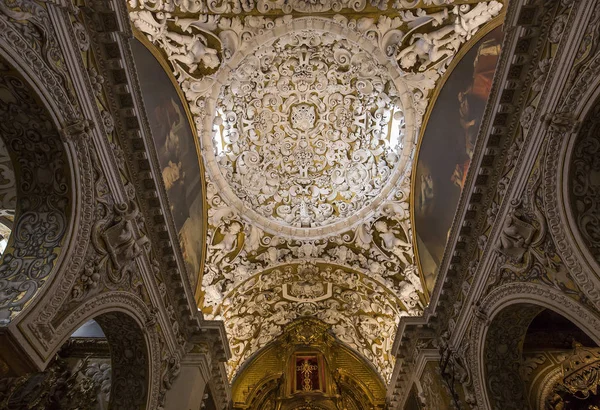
{"x":177,"y":155}
{"x":447,"y":148}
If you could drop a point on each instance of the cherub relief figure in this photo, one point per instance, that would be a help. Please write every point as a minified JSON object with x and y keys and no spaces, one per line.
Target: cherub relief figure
{"x":229,"y":242}
{"x":427,"y":48}
{"x":412,"y":275}
{"x":467,"y":23}
{"x":391,"y":242}
{"x":194,"y":52}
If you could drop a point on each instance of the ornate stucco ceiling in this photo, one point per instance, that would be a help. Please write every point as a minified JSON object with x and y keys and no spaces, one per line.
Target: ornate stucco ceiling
{"x":310,"y":129}
{"x":362,"y":312}
{"x":308,"y":114}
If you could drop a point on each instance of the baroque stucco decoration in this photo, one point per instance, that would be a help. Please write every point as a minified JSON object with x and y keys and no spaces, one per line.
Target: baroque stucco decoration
{"x":308,"y":127}
{"x":44,"y":184}
{"x":583,"y":184}
{"x":85,"y":243}
{"x":361,"y":312}
{"x":312,"y":128}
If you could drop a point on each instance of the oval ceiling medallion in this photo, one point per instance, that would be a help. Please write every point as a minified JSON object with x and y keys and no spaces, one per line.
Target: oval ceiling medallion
{"x":309,"y":131}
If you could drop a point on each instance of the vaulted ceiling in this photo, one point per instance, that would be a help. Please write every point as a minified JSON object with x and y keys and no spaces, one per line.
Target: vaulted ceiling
{"x":308,"y":115}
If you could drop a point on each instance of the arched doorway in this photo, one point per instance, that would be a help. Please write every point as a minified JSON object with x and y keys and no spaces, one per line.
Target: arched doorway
{"x":555,"y":353}
{"x":525,"y":344}
{"x":104,"y":364}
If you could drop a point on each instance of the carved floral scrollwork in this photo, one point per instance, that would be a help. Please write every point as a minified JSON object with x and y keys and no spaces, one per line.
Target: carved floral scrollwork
{"x":563,"y":126}
{"x":198,"y":44}
{"x":304,"y":122}
{"x":503,"y":356}
{"x":86,"y":386}
{"x":361,"y":312}
{"x":44,"y":192}
{"x":526,"y":251}
{"x":455,"y":370}
{"x":8,"y":184}
{"x":26,"y":26}
{"x":117,"y":241}
{"x":584,"y":184}
{"x":129,"y":378}
{"x":379,"y":248}
{"x":512,"y":307}
{"x":434,"y":48}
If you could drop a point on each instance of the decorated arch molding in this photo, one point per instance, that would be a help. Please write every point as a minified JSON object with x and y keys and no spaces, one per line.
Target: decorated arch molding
{"x":47,"y":141}
{"x":8,"y":191}
{"x":581,"y":196}
{"x":546,"y":387}
{"x":512,"y":298}
{"x":134,"y":345}
{"x":362,"y":313}
{"x":96,"y":271}
{"x":101,"y":265}
{"x":44,"y":168}
{"x":573,"y":118}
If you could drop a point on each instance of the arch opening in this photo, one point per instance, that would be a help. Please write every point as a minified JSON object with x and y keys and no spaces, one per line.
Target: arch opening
{"x":583,"y":184}
{"x":535,"y":358}
{"x":102,"y":365}
{"x":35,"y":167}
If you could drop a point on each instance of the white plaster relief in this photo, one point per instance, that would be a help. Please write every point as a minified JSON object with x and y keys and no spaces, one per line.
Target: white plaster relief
{"x":350,"y":196}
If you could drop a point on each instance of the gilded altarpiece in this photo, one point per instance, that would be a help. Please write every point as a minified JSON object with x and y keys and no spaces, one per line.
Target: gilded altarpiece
{"x":307,"y":368}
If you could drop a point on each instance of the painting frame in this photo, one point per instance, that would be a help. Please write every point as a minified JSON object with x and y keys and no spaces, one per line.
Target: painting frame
{"x":494,"y":24}
{"x":167,"y":70}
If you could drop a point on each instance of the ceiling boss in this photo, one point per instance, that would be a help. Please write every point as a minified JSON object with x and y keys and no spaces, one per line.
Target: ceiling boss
{"x":308,"y":126}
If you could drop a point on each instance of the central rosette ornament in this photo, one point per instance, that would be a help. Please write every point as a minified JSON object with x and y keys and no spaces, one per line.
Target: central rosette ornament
{"x":305,"y":135}
{"x":303,"y":117}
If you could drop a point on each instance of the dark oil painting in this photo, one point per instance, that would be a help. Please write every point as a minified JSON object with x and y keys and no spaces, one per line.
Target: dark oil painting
{"x":177,"y":155}
{"x":447,"y":147}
